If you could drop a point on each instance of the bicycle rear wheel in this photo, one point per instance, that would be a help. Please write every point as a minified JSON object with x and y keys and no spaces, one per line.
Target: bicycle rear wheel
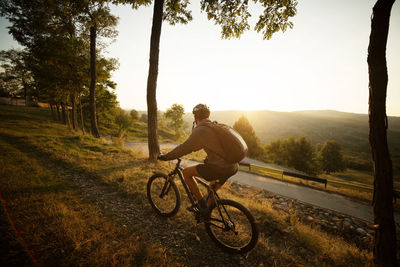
{"x":163,"y":195}
{"x":232,"y":227}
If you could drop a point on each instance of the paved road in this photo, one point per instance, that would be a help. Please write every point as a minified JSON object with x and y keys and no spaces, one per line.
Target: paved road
{"x":315,"y":197}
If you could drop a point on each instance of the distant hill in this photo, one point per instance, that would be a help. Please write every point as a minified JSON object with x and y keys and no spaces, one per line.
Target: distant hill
{"x":349,"y":129}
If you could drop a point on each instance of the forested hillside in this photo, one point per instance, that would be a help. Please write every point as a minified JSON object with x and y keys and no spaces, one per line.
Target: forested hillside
{"x":349,"y":129}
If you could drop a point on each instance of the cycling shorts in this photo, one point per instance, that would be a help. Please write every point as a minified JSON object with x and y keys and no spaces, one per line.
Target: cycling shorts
{"x":211,"y":172}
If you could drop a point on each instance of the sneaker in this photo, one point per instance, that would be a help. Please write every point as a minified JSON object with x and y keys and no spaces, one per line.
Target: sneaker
{"x":198,"y":209}
{"x":194,"y":208}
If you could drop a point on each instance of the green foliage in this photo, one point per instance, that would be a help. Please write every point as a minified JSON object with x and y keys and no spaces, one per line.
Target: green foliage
{"x":174,"y":115}
{"x":296,"y":153}
{"x":15,"y":77}
{"x":244,"y":128}
{"x":135,"y":4}
{"x":143,"y":118}
{"x":55,"y":35}
{"x":134,"y":115}
{"x":123,"y":122}
{"x":233,"y":16}
{"x":106,"y":101}
{"x":175,"y":11}
{"x":357,"y":163}
{"x":275,"y":151}
{"x":330,"y":157}
{"x":276,"y":16}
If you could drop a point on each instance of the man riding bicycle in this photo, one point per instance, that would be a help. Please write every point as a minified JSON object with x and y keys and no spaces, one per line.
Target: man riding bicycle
{"x":214,"y":169}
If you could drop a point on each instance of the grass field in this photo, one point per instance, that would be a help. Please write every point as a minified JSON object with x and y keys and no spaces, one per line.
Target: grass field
{"x":41,"y":163}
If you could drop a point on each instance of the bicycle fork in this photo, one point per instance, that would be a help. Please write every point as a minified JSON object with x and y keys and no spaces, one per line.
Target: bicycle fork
{"x":165,"y":189}
{"x":228,"y":224}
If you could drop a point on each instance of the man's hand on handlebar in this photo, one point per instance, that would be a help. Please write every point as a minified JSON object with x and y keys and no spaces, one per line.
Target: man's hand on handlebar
{"x":161,"y":157}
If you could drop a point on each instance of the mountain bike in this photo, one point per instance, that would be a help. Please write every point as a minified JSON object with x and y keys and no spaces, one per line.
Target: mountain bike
{"x":228,"y":223}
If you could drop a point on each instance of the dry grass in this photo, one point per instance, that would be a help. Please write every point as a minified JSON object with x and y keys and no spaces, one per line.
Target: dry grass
{"x":59,"y":226}
{"x":285,"y":241}
{"x":62,"y":227}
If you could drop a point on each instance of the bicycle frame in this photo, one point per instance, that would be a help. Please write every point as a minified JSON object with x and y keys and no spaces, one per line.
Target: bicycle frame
{"x":211,"y":192}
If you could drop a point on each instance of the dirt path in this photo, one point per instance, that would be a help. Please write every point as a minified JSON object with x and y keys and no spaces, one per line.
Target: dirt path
{"x":183,"y":239}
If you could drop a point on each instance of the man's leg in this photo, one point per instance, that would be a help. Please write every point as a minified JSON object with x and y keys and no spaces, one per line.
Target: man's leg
{"x":211,"y":200}
{"x":188,"y":174}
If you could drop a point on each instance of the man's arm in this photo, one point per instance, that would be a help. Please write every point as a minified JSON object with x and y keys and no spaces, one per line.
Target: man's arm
{"x":193,"y":143}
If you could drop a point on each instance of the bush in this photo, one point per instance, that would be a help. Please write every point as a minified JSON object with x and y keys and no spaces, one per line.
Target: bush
{"x":143,"y":118}
{"x":134,"y":115}
{"x":174,"y":115}
{"x":296,"y":153}
{"x":123,"y":122}
{"x":331,"y":158}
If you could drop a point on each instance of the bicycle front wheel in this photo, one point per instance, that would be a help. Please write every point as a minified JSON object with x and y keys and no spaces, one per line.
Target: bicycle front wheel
{"x":232,"y":227}
{"x":163,"y":195}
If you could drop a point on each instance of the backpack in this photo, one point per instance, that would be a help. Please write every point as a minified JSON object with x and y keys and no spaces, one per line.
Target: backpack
{"x":233,"y":145}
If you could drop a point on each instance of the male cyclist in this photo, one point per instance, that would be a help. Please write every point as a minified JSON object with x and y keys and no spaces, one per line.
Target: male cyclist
{"x":214,"y":169}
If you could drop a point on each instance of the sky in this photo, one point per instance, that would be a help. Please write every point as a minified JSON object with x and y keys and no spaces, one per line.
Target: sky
{"x":320,"y":64}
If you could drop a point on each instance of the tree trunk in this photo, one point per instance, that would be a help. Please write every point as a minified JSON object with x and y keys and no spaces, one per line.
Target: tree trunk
{"x":93,"y":121}
{"x":82,"y":121}
{"x":67,"y":117}
{"x":58,"y":111}
{"x":25,"y":96}
{"x":385,"y":234}
{"x":154,"y":147}
{"x":63,"y":113}
{"x":67,"y":112}
{"x":74,"y":112}
{"x":53,"y":115}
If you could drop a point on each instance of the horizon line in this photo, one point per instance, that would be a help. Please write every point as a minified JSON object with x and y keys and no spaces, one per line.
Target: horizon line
{"x":268,"y":110}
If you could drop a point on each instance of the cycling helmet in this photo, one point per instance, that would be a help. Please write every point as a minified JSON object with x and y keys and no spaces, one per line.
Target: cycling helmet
{"x":201,"y":111}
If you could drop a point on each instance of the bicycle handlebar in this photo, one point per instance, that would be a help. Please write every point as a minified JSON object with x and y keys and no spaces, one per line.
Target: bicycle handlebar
{"x":178,"y":164}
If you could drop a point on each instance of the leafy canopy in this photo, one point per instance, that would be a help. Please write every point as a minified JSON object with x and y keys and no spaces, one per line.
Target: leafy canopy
{"x":233,"y":16}
{"x":244,"y":128}
{"x":330,"y":157}
{"x":15,"y":78}
{"x":123,"y":122}
{"x":174,"y":115}
{"x":295,"y":153}
{"x":134,"y":115}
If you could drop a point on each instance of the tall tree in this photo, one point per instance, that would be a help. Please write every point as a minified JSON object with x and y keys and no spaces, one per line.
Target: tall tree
{"x":385,"y":245}
{"x":100,"y":22}
{"x":175,"y":11}
{"x":154,"y":147}
{"x":93,"y":119}
{"x":134,"y":115}
{"x":56,"y":38}
{"x":175,"y":117}
{"x":244,"y":128}
{"x":15,"y":75}
{"x":330,"y":157}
